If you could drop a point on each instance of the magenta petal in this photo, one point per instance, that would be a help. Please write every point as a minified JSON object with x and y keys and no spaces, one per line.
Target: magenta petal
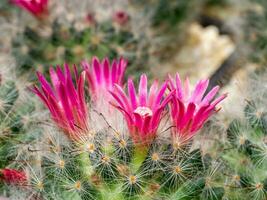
{"x":55,"y":109}
{"x":85,"y":65}
{"x":146,"y":128}
{"x":67,"y":71}
{"x":122,"y":96}
{"x":179,"y":87}
{"x":138,"y":121}
{"x":71,"y":91}
{"x":198,"y":117}
{"x":54,"y":78}
{"x":114,"y":72}
{"x":97,"y":69}
{"x":36,"y":91}
{"x":201,"y":120}
{"x":156,"y":118}
{"x":199,"y":91}
{"x":117,"y":98}
{"x":181,"y":113}
{"x":152,"y":93}
{"x":121,"y":70}
{"x":132,"y":94}
{"x":186,"y":89}
{"x":128,"y":117}
{"x":171,"y":82}
{"x":189,"y":114}
{"x":159,"y":96}
{"x":37,"y":8}
{"x":142,"y":90}
{"x":90,"y":80}
{"x":102,"y":76}
{"x":64,"y":100}
{"x":210,"y":95}
{"x":72,"y":94}
{"x":106,"y":72}
{"x":76,"y":74}
{"x":60,"y":75}
{"x":81,"y":97}
{"x":44,"y":83}
{"x":218,"y":100}
{"x":168,"y":98}
{"x":174,"y":107}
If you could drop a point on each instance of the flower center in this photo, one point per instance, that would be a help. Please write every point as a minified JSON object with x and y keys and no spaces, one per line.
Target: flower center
{"x":143,"y":111}
{"x":242,"y":140}
{"x":259,"y":186}
{"x":78,"y":185}
{"x":132,"y":179}
{"x":105,"y":159}
{"x":155,"y":157}
{"x":61,"y":164}
{"x":90,"y":147}
{"x":177,"y":169}
{"x":40,"y":185}
{"x":236,"y":177}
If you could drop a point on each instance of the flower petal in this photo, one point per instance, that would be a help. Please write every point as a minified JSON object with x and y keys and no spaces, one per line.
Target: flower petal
{"x":132,"y":94}
{"x":152,"y":93}
{"x":97,"y":69}
{"x":142,"y":91}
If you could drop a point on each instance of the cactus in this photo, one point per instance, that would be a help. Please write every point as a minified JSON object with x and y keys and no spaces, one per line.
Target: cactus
{"x":256,"y":32}
{"x":17,"y":128}
{"x":245,"y":148}
{"x":94,"y":152}
{"x":68,"y":43}
{"x":8,"y":96}
{"x":247,"y":158}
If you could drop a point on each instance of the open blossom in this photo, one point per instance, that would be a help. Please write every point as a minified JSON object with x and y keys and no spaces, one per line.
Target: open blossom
{"x":102,"y":75}
{"x":190,"y":111}
{"x":12,"y":176}
{"x":38,"y":8}
{"x":142,"y":111}
{"x":65,"y":101}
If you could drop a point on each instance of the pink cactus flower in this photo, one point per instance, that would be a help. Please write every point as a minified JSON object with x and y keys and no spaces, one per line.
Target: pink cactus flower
{"x":121,"y":17}
{"x":103,"y":75}
{"x":143,"y":112}
{"x":12,"y":176}
{"x":38,"y":8}
{"x":190,"y":112}
{"x":65,"y":101}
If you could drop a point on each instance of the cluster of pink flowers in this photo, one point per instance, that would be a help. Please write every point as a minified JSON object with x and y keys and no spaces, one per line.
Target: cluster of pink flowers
{"x":65,"y":102}
{"x":142,"y":110}
{"x":38,"y":8}
{"x":103,"y":75}
{"x":189,"y":111}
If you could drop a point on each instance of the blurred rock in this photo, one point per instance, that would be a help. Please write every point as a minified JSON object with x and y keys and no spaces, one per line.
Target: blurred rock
{"x":203,"y":52}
